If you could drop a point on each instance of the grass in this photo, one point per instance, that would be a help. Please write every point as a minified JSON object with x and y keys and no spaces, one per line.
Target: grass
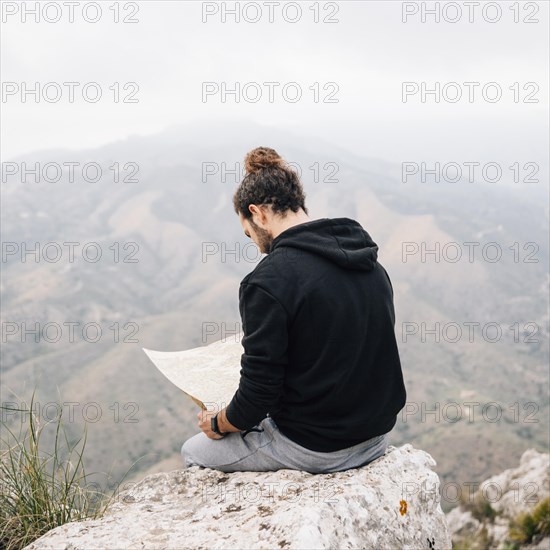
{"x":41,"y":490}
{"x":527,"y":526}
{"x":479,"y":507}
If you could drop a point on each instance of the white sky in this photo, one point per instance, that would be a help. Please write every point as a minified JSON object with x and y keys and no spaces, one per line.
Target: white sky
{"x":170,"y":52}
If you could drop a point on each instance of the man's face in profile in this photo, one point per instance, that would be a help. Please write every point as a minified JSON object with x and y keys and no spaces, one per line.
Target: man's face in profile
{"x":262,"y":237}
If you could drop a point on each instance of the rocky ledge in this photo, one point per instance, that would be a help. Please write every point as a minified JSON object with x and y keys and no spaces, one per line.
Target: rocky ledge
{"x":391,"y":503}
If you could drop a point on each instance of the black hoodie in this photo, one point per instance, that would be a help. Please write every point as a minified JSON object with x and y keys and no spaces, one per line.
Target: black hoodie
{"x":320,"y":353}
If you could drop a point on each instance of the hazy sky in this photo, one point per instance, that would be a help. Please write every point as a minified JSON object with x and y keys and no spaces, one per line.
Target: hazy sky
{"x":362,"y":59}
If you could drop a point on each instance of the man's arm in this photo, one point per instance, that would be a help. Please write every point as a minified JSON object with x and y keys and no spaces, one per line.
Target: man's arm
{"x":264,"y":361}
{"x":223,"y":424}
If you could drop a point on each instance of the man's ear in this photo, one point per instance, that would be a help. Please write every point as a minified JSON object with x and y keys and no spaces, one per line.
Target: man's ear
{"x":258,"y":214}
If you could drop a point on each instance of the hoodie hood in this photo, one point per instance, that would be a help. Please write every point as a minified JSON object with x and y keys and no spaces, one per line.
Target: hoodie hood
{"x":340,"y":240}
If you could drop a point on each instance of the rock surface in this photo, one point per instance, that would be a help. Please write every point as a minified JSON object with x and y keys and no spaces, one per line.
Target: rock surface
{"x":391,"y":503}
{"x":509,"y":493}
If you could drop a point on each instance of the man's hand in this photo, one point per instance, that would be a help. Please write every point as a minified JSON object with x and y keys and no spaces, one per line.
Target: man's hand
{"x":205,"y":423}
{"x":223,"y":424}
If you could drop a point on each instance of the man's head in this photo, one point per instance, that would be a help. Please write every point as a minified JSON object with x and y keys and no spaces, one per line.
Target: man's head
{"x":270,"y":198}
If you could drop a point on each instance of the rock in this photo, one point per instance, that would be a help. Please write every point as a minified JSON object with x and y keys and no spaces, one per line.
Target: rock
{"x":391,"y":503}
{"x":509,"y":493}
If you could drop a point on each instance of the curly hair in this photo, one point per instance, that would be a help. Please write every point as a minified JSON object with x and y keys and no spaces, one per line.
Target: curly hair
{"x":268,"y":180}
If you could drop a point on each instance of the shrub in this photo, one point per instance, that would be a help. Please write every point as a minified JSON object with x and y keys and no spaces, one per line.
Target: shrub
{"x":528,"y":525}
{"x":479,"y":507}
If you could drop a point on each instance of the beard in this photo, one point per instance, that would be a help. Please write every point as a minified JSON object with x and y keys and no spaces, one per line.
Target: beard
{"x":264,"y":238}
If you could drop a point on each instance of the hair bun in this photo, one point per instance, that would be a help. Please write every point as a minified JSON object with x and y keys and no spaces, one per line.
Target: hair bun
{"x":261,"y":158}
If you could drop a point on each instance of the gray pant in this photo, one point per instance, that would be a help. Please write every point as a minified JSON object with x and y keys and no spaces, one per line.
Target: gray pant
{"x":265,"y":448}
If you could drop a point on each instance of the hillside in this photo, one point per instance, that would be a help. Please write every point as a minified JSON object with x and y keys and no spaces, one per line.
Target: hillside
{"x":182,"y":286}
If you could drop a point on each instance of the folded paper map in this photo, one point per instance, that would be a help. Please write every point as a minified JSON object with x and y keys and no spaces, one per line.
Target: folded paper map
{"x":209,"y":375}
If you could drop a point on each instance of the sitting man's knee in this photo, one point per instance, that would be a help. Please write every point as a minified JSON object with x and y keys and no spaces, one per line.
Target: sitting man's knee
{"x":187,"y":453}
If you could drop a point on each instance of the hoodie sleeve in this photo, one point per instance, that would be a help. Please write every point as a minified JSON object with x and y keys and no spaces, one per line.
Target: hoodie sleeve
{"x":264,"y":361}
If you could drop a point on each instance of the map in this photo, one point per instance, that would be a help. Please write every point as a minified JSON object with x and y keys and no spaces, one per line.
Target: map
{"x":209,"y":375}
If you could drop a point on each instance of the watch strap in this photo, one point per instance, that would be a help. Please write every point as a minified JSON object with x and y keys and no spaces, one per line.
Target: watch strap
{"x":214,"y":425}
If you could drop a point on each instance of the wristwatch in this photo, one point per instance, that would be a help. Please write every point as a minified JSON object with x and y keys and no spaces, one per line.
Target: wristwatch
{"x":214,"y":425}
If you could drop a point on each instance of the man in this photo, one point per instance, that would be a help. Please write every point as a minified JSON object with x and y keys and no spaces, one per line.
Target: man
{"x":321,"y":381}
